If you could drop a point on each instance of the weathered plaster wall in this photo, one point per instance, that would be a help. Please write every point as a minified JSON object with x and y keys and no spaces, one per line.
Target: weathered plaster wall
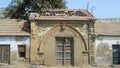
{"x":104,"y":48}
{"x":14,"y":41}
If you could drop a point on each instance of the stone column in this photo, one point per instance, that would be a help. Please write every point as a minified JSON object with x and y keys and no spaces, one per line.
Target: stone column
{"x":34,"y":40}
{"x":91,"y":42}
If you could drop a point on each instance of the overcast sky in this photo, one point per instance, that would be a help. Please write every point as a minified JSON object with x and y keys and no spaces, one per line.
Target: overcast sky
{"x":99,"y":8}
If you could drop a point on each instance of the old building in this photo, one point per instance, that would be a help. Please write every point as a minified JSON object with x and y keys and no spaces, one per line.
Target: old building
{"x":107,"y":41}
{"x":62,"y":37}
{"x":14,"y":41}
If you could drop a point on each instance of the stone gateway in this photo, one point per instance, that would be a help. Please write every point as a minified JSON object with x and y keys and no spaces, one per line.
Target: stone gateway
{"x":62,"y":37}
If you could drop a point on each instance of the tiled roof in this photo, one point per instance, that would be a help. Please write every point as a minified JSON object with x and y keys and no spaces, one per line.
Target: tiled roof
{"x":11,"y":27}
{"x":108,"y":20}
{"x":107,"y":28}
{"x":63,"y":14}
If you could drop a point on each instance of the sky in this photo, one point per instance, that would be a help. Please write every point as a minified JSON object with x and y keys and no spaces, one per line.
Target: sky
{"x":99,"y":8}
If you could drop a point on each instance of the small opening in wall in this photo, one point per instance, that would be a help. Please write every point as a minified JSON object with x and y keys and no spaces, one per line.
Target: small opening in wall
{"x":22,"y":50}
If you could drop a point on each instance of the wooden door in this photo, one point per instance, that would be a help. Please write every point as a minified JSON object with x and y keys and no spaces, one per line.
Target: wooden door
{"x":4,"y":54}
{"x":64,"y":51}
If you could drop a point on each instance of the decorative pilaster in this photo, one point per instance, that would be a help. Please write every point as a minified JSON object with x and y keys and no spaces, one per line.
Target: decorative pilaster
{"x":91,"y":42}
{"x":34,"y":40}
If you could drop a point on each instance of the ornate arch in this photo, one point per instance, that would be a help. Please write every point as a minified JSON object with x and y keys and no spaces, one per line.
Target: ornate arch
{"x":58,"y":27}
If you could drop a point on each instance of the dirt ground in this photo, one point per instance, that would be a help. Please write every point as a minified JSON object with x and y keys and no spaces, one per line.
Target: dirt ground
{"x":27,"y":65}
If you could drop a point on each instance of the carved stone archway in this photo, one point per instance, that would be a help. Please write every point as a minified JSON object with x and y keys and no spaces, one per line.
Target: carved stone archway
{"x":56,"y":28}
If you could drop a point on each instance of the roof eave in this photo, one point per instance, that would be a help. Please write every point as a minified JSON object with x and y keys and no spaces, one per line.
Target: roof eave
{"x":64,"y":18}
{"x":16,"y":35}
{"x":107,"y":34}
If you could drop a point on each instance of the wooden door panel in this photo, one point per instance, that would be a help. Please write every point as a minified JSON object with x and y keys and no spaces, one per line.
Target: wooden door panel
{"x":60,"y":48}
{"x":4,"y":54}
{"x":64,"y":50}
{"x":67,"y":62}
{"x":68,"y":56}
{"x":68,"y":48}
{"x":59,"y":62}
{"x":59,"y":56}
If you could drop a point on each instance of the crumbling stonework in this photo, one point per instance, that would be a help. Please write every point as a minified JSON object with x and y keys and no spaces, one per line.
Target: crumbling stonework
{"x":47,"y":30}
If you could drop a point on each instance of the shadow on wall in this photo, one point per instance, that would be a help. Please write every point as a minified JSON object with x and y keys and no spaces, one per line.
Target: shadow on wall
{"x":26,"y":26}
{"x":104,"y":53}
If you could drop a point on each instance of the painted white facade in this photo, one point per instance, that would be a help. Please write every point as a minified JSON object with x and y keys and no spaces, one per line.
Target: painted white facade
{"x":107,"y":39}
{"x":104,"y":46}
{"x":13,"y":42}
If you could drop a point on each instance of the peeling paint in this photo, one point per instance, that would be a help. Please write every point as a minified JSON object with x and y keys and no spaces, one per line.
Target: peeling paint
{"x":13,"y":43}
{"x":104,"y":48}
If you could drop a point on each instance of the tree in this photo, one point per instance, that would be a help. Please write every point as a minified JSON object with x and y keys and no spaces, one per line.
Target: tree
{"x":22,"y":8}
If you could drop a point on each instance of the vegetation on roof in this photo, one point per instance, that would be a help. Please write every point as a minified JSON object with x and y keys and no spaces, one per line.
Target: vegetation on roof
{"x":22,"y":8}
{"x":1,"y":12}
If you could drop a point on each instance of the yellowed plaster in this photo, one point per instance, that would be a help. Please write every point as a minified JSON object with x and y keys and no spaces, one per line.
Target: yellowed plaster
{"x":52,"y":30}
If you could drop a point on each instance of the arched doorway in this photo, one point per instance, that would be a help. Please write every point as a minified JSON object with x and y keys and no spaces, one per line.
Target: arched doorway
{"x":63,"y":46}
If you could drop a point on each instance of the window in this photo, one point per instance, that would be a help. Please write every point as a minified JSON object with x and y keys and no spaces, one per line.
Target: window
{"x":22,"y":50}
{"x":116,"y":54}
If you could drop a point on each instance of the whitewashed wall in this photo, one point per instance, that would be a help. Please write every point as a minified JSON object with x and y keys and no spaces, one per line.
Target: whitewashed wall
{"x":104,"y":48}
{"x":13,"y":42}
